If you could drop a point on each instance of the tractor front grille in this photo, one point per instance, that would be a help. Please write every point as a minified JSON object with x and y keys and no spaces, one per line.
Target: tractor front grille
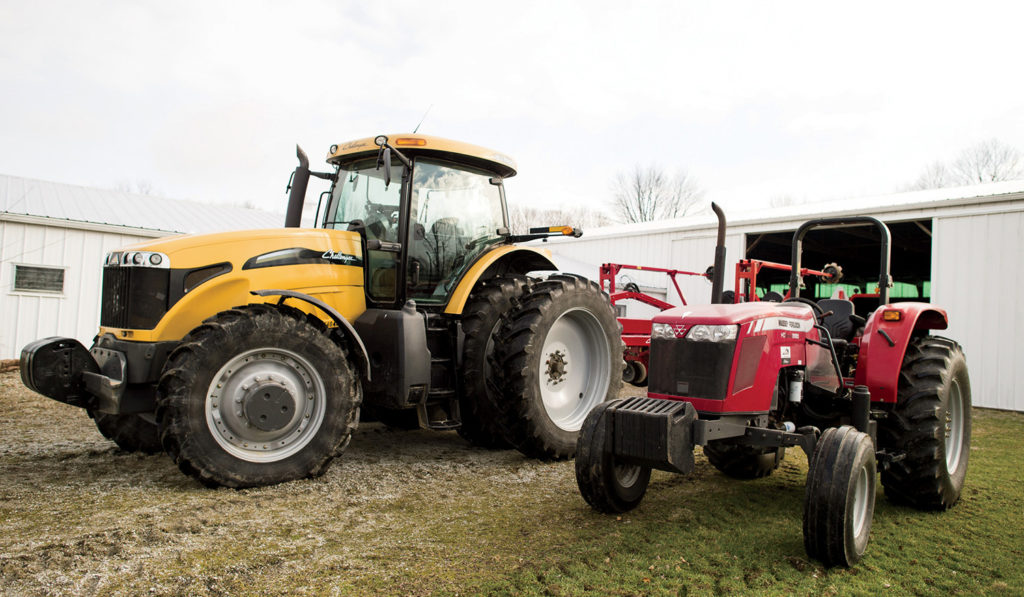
{"x":134,"y":297}
{"x":680,"y":367}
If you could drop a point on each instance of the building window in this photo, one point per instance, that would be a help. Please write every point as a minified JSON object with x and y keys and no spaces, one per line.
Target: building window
{"x":31,"y":278}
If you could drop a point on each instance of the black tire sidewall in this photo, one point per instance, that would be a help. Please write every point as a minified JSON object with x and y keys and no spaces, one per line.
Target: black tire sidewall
{"x":840,"y":455}
{"x":743,"y":462}
{"x":197,"y":449}
{"x":489,"y":302}
{"x":562,"y":442}
{"x":130,"y":432}
{"x":915,"y":427}
{"x":595,"y":468}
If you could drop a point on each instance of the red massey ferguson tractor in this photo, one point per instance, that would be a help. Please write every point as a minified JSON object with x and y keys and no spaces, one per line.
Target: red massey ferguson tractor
{"x":745,"y":381}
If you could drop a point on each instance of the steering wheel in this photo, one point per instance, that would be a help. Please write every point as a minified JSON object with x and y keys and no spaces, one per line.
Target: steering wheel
{"x":818,"y":313}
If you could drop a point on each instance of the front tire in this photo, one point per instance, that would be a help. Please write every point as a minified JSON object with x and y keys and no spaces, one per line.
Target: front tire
{"x":255,"y":396}
{"x":605,"y":485}
{"x":559,"y":356}
{"x":839,"y":501}
{"x":930,"y":425}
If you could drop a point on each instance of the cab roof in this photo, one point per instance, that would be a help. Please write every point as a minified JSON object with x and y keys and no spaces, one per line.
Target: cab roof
{"x":413,"y":145}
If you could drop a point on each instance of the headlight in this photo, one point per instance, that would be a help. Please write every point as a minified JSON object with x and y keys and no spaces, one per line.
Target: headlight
{"x":662,"y":330}
{"x":712,"y":333}
{"x":138,"y":259}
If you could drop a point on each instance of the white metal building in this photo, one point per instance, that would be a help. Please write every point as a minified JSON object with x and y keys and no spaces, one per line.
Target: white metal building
{"x":969,"y":238}
{"x":53,"y":239}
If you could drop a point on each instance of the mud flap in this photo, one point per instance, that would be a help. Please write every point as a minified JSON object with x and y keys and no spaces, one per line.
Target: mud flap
{"x":54,"y":367}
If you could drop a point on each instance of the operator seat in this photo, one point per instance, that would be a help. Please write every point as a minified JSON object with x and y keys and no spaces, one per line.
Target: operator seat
{"x":443,"y":242}
{"x":839,"y":323}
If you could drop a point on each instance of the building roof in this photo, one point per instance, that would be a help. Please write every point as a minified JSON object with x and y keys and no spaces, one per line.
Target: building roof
{"x":28,"y":199}
{"x":993,"y":192}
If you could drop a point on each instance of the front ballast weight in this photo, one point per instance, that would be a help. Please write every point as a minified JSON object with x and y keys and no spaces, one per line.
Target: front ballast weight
{"x":623,"y":440}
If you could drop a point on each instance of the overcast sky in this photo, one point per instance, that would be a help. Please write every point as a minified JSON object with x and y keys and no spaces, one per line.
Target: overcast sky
{"x":757,"y":100}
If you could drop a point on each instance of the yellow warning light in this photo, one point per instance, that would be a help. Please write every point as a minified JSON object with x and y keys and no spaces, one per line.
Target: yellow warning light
{"x":410,"y":142}
{"x":892,"y":315}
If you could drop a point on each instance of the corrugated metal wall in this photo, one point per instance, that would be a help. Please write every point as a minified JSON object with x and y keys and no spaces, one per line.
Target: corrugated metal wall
{"x":27,"y":316}
{"x":976,"y":278}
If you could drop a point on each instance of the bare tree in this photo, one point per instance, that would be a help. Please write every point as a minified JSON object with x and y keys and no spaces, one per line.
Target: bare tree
{"x":988,"y":161}
{"x":935,"y":176}
{"x":522,"y":218}
{"x":138,"y":187}
{"x":782,"y":201}
{"x":648,"y":193}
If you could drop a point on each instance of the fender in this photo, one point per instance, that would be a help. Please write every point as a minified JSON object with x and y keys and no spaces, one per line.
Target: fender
{"x":884,"y":344}
{"x":518,"y":259}
{"x":334,"y":315}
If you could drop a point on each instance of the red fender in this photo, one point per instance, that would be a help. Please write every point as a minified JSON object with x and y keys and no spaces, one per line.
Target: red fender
{"x":879,"y":361}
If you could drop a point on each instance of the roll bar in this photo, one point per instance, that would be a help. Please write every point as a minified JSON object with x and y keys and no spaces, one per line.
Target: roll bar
{"x":884,"y":279}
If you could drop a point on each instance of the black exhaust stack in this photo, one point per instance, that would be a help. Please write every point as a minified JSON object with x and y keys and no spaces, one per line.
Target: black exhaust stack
{"x":718,"y":275}
{"x":297,"y":185}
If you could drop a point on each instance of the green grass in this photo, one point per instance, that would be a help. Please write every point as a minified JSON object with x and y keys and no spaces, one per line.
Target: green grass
{"x":709,"y":535}
{"x":421,"y":513}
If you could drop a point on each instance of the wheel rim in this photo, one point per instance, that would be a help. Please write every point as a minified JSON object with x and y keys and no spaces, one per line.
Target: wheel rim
{"x":265,"y":405}
{"x":574,"y":368}
{"x":954,"y":429}
{"x":626,"y":475}
{"x":860,"y":501}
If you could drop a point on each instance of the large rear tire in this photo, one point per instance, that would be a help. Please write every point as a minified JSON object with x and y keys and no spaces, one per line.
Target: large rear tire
{"x":131,"y":433}
{"x":743,"y":462}
{"x":490,"y":301}
{"x":604,"y":484}
{"x":839,"y":501}
{"x":255,"y":396}
{"x":559,"y":356}
{"x":930,"y":425}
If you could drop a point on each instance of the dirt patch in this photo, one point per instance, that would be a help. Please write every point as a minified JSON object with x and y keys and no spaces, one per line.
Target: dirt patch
{"x":400,"y":512}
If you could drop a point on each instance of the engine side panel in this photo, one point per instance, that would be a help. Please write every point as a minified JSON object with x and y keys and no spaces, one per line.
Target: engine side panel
{"x":325,"y":264}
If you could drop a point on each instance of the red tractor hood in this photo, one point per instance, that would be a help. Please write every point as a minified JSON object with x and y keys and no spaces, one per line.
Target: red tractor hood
{"x":740,"y":313}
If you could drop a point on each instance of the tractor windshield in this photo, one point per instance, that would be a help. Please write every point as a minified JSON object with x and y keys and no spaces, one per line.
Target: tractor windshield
{"x":456,"y":213}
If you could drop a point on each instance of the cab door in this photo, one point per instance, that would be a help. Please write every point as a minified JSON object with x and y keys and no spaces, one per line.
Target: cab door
{"x":454,"y":217}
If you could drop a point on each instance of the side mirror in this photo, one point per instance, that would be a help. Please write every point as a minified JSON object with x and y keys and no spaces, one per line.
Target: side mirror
{"x":384,"y":159}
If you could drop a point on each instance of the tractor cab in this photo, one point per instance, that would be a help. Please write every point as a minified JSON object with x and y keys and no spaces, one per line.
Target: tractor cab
{"x":427,"y":209}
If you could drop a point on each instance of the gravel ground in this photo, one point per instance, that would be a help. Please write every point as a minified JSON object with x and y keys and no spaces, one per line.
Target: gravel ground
{"x":398,"y":513}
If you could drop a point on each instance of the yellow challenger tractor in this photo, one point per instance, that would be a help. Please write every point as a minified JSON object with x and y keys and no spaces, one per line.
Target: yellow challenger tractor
{"x":247,"y":356}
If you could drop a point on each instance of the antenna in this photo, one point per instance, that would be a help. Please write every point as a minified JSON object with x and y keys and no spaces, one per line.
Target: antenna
{"x":422,"y":119}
